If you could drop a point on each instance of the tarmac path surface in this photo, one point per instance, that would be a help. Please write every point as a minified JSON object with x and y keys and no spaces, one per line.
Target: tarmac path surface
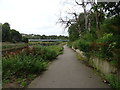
{"x":67,"y":72}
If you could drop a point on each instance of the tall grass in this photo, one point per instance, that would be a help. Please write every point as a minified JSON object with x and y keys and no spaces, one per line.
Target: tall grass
{"x":114,"y":81}
{"x":7,"y":45}
{"x":31,"y":61}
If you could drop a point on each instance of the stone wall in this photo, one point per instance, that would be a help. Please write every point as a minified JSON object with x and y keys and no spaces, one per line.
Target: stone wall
{"x":101,"y":65}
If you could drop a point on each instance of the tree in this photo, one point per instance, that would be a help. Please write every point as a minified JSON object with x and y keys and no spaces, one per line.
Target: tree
{"x":111,"y":8}
{"x":73,"y":33}
{"x":15,"y":36}
{"x":0,"y":32}
{"x":84,"y":5}
{"x":24,"y":39}
{"x":5,"y":32}
{"x":81,"y":22}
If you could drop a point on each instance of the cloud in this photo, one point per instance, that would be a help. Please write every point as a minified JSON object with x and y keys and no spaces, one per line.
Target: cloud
{"x":34,"y":16}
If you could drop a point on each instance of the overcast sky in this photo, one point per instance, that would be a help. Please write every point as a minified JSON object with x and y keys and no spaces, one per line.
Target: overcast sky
{"x":35,"y":16}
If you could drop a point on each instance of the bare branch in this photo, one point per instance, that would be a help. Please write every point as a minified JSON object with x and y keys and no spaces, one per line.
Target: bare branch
{"x":78,"y":3}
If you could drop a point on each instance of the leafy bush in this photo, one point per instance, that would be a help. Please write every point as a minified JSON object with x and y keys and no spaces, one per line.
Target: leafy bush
{"x":84,"y":43}
{"x":106,"y":38}
{"x":75,"y":44}
{"x":69,"y":44}
{"x":47,"y":53}
{"x":7,"y":45}
{"x":22,"y":64}
{"x":89,"y":36}
{"x":31,"y":61}
{"x":114,"y":81}
{"x":111,"y":25}
{"x":106,"y":46}
{"x":84,"y":46}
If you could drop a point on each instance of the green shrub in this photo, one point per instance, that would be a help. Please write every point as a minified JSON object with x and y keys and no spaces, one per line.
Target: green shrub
{"x":89,"y":36}
{"x":70,"y":44}
{"x":83,"y":43}
{"x":84,"y":46}
{"x":49,"y":52}
{"x":106,"y":46}
{"x":32,"y":61}
{"x":76,"y":44}
{"x":114,"y":81}
{"x":22,"y":64}
{"x":106,"y":38}
{"x":111,"y":25}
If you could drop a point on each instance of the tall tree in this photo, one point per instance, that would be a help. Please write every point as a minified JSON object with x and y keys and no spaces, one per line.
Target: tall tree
{"x":84,"y":5}
{"x":15,"y":36}
{"x":73,"y":33}
{"x":110,"y":8}
{"x":5,"y":32}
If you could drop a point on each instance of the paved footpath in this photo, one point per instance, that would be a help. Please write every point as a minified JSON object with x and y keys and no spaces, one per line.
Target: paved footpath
{"x":68,"y":72}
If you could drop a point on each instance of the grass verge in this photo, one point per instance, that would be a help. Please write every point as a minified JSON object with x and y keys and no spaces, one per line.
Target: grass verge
{"x":27,"y":65}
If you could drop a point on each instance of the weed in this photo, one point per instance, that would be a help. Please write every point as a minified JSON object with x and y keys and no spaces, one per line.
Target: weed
{"x":24,"y":84}
{"x":28,"y":64}
{"x":114,"y":81}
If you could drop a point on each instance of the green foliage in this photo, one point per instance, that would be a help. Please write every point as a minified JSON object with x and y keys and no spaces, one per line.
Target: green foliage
{"x":34,"y":36}
{"x":84,"y":45}
{"x":69,"y":44}
{"x":114,"y":81}
{"x":10,"y":35}
{"x":22,"y":64}
{"x":31,"y":76}
{"x":102,"y":37}
{"x":47,"y":53}
{"x":111,"y":8}
{"x":75,"y":44}
{"x":81,"y":22}
{"x":7,"y":45}
{"x":23,"y":84}
{"x":6,"y":32}
{"x":103,"y":46}
{"x":24,"y":39}
{"x":106,"y":38}
{"x":32,"y":61}
{"x":111,"y":25}
{"x":89,"y":36}
{"x":107,"y":45}
{"x":15,"y":36}
{"x":73,"y":32}
{"x":80,"y":57}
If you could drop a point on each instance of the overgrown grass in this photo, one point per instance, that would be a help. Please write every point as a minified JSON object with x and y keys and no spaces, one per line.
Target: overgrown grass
{"x":81,"y":58}
{"x":8,"y":45}
{"x":30,"y":62}
{"x":70,"y":44}
{"x":114,"y":81}
{"x":44,"y":43}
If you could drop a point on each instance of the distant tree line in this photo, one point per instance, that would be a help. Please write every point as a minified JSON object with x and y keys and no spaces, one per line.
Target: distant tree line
{"x":34,"y":36}
{"x":12,"y":35}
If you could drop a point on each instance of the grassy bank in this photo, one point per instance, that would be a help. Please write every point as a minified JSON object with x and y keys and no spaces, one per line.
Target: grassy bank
{"x":23,"y":68}
{"x":8,"y":45}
